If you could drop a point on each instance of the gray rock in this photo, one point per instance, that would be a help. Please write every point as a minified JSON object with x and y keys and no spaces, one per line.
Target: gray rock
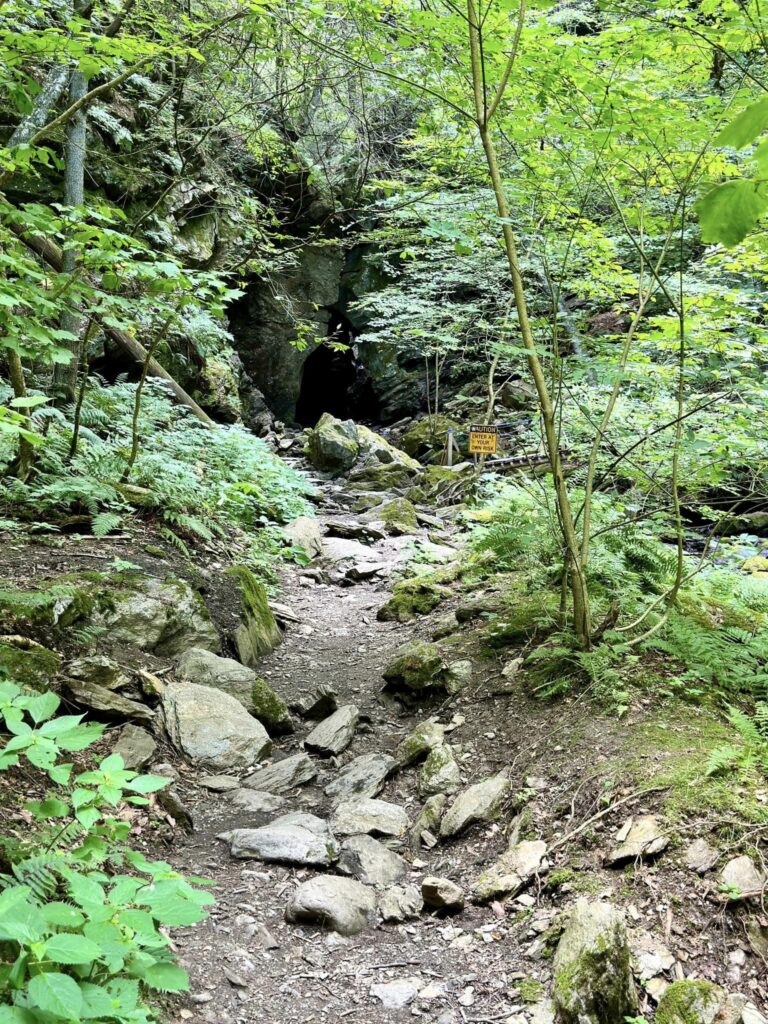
{"x":334,"y":734}
{"x":255,"y":801}
{"x":98,"y":669}
{"x":333,"y":444}
{"x":368,"y":860}
{"x":481,"y":802}
{"x":304,"y":532}
{"x":400,"y":903}
{"x":457,"y":676}
{"x":364,"y":776}
{"x":396,"y":995}
{"x":292,"y":839}
{"x":593,"y":981}
{"x":741,"y":878}
{"x":136,"y":747}
{"x":342,"y":904}
{"x":355,"y":817}
{"x":361,"y":571}
{"x":219,"y":783}
{"x":172,"y":804}
{"x":354,"y":529}
{"x":338,"y":549}
{"x":284,"y":775}
{"x":513,"y":871}
{"x":425,"y":737}
{"x":428,"y":821}
{"x":99,"y":698}
{"x":258,"y":633}
{"x":442,"y":894}
{"x":701,"y":857}
{"x":320,"y":703}
{"x":650,"y":956}
{"x":162,"y":616}
{"x":208,"y":669}
{"x":212,"y":728}
{"x":439,"y":773}
{"x":638,"y":839}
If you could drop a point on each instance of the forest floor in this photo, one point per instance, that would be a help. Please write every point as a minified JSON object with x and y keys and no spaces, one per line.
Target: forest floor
{"x":578,"y":773}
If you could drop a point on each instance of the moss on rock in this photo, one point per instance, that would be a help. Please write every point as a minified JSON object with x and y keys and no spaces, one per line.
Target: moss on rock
{"x":690,"y":1002}
{"x":258,"y":633}
{"x":33,"y":667}
{"x":412,"y":597}
{"x":416,"y":666}
{"x":270,"y":709}
{"x":398,"y":516}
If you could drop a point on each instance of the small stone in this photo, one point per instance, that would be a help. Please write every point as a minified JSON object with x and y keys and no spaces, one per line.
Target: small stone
{"x":651,"y":956}
{"x":513,"y":871}
{"x":255,"y":801}
{"x":343,"y":904}
{"x":428,"y":822}
{"x":333,"y":735}
{"x":701,"y":857}
{"x":741,"y":879}
{"x":292,"y":839}
{"x":371,"y":862}
{"x":425,"y":737}
{"x":395,"y":995}
{"x":320,"y":703}
{"x":481,"y":802}
{"x":355,"y":817}
{"x":512,"y":668}
{"x":400,"y":903}
{"x":457,"y":676}
{"x":219,"y":783}
{"x":100,"y":670}
{"x":440,"y":773}
{"x":639,"y":838}
{"x":364,"y":776}
{"x":442,"y":894}
{"x":284,"y":775}
{"x":690,"y":1002}
{"x":136,"y":747}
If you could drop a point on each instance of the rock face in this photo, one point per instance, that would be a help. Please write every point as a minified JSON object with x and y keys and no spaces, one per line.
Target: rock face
{"x":334,"y":734}
{"x":333,"y":445}
{"x":371,"y":862}
{"x":162,"y":616}
{"x":481,"y":802}
{"x":638,"y":838}
{"x":135,"y":746}
{"x":512,"y":871}
{"x":365,"y":776}
{"x":342,"y":904}
{"x":356,"y":817}
{"x":284,"y":775}
{"x":439,"y":773}
{"x":304,"y":532}
{"x":258,"y":633}
{"x":416,"y":666}
{"x":212,"y":728}
{"x":292,"y":839}
{"x":442,"y":894}
{"x":592,"y":973}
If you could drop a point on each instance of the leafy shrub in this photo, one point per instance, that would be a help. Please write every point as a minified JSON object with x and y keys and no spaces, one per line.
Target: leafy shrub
{"x":82,"y":916}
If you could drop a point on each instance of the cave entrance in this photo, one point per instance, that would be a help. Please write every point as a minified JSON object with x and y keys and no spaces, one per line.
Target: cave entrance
{"x":335,"y":382}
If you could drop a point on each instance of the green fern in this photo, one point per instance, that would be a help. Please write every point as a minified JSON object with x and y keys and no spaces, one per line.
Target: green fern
{"x":104,"y":523}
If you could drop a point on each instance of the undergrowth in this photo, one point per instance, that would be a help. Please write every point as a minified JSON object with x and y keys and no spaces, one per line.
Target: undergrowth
{"x":197,"y":484}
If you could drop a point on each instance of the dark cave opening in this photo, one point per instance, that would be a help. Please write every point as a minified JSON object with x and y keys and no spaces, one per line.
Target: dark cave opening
{"x":335,"y":381}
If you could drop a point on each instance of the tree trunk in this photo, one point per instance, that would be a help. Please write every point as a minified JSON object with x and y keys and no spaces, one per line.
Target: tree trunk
{"x":26,"y":451}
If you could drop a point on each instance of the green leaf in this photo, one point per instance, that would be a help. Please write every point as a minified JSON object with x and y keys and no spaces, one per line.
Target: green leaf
{"x":746,"y":127}
{"x":71,"y":949}
{"x":148,"y":783}
{"x":62,"y":915}
{"x":57,"y":994}
{"x":730,"y":211}
{"x":166,"y":977}
{"x":97,"y":1002}
{"x":42,"y":706}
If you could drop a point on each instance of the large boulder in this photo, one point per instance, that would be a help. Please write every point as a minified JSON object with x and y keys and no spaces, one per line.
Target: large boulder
{"x":425,"y":737}
{"x":333,"y":444}
{"x":207,"y":669}
{"x":427,"y":436}
{"x":439,"y":773}
{"x":258,"y":634}
{"x":376,"y":450}
{"x":213,"y":728}
{"x":342,"y":904}
{"x":593,"y":981}
{"x":413,"y":597}
{"x":31,"y":666}
{"x":164,"y":617}
{"x":304,"y":532}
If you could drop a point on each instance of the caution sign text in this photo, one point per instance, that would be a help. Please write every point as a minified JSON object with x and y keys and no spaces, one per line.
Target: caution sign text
{"x":482,"y":439}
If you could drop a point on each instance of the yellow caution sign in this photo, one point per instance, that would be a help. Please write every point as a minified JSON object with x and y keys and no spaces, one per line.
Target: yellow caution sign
{"x":483,"y":439}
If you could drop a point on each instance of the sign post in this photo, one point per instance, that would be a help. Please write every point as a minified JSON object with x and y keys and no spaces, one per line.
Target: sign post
{"x":483,"y":439}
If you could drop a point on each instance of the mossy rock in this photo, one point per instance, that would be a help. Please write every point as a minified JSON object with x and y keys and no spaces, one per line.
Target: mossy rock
{"x":258,"y":633}
{"x":593,"y":981}
{"x":389,"y":477}
{"x":427,"y":435}
{"x":398,"y":516}
{"x":690,"y":1002}
{"x":416,"y":666}
{"x":52,"y":605}
{"x":33,"y":667}
{"x":270,"y":709}
{"x":413,"y":597}
{"x":333,"y":444}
